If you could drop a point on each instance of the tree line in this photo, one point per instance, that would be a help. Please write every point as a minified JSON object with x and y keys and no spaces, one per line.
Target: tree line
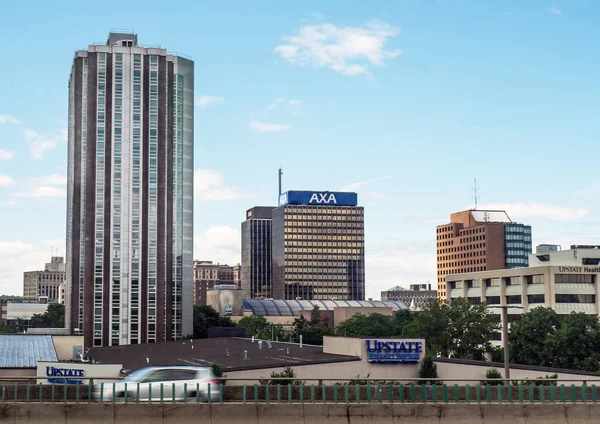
{"x":453,"y":329}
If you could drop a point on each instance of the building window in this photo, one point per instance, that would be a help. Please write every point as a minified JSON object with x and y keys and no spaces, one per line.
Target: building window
{"x":474,"y":300}
{"x":493,"y":300}
{"x":512,"y":281}
{"x":575,"y":298}
{"x":513,"y":300}
{"x":536,"y":298}
{"x":534,"y":279}
{"x":492,"y":282}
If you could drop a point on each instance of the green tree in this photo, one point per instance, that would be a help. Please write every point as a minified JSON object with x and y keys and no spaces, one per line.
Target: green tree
{"x":457,"y":329}
{"x":528,"y":337}
{"x":254,"y":324}
{"x":206,"y":317}
{"x":575,"y":344}
{"x":272,"y":332}
{"x":431,"y":324}
{"x":5,"y":329}
{"x":428,"y":370}
{"x":314,"y":335}
{"x":373,"y":325}
{"x":400,"y":319}
{"x":54,"y":317}
{"x":470,"y":328}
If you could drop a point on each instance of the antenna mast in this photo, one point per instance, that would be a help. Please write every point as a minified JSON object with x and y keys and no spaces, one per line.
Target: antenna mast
{"x":475,"y":192}
{"x":280,"y":173}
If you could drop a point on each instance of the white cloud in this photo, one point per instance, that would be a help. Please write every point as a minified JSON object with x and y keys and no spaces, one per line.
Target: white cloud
{"x":4,"y":119}
{"x":42,"y":191}
{"x":209,"y":185}
{"x":54,"y":179}
{"x":19,"y":257}
{"x":262,"y":127}
{"x":220,"y":244}
{"x":555,"y":10}
{"x":291,"y":106}
{"x":360,"y":184}
{"x":204,"y":101}
{"x":6,"y":155}
{"x":339,"y":48}
{"x":539,"y":210}
{"x":394,"y":264}
{"x":40,"y":143}
{"x":6,"y":180}
{"x":10,"y":202}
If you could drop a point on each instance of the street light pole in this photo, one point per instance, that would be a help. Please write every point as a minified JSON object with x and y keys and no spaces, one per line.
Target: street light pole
{"x":505,"y":340}
{"x":505,"y":334}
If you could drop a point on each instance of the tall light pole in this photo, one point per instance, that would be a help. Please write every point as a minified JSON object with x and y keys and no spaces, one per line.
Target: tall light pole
{"x":505,"y":334}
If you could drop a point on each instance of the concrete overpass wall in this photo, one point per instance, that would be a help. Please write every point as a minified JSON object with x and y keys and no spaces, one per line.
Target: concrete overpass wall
{"x":21,"y":413}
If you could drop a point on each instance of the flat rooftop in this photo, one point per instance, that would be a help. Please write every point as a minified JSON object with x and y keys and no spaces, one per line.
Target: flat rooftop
{"x":226,"y":351}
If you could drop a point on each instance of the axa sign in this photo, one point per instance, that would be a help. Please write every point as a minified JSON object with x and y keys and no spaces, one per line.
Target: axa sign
{"x":318,"y":198}
{"x":323,"y":199}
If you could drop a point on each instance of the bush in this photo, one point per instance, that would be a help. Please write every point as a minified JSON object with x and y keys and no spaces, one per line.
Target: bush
{"x":218,"y":372}
{"x":287,"y":372}
{"x":429,"y":370}
{"x":492,"y":374}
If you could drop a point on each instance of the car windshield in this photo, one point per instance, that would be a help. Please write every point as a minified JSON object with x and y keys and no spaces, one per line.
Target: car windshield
{"x":136,"y":375}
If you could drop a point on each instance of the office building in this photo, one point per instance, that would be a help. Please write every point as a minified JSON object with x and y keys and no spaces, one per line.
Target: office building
{"x":480,"y":240}
{"x":318,"y":246}
{"x":566,"y":281}
{"x":256,"y":272}
{"x":207,"y":275}
{"x":547,"y":248}
{"x":130,"y":194}
{"x":417,"y":296}
{"x":44,"y":286}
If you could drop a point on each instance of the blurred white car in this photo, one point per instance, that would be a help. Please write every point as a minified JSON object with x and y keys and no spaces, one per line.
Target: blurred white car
{"x":188,"y":383}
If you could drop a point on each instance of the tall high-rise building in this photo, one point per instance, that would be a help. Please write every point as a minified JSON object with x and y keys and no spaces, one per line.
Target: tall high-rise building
{"x":256,"y":272}
{"x":130,"y":194}
{"x":45,"y":285}
{"x":318,"y":246}
{"x":480,"y":240}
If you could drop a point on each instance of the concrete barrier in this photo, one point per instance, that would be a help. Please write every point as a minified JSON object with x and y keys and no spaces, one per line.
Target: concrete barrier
{"x":71,"y":413}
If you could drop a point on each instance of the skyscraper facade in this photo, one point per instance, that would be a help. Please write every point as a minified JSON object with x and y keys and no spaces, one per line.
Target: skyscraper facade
{"x":130,"y":194}
{"x":318,"y":246}
{"x":256,"y":275}
{"x":480,"y":240}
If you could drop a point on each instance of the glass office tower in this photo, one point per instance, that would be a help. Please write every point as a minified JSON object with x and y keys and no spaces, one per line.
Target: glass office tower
{"x":318,"y":246}
{"x":130,"y":194}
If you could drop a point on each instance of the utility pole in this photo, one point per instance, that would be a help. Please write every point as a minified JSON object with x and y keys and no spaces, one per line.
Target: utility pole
{"x":505,"y":340}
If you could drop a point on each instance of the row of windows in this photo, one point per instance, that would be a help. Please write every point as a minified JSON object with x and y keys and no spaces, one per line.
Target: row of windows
{"x":537,"y":299}
{"x":575,"y":278}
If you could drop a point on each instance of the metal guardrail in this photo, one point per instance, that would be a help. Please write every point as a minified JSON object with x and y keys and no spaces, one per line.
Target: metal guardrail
{"x":296,"y":391}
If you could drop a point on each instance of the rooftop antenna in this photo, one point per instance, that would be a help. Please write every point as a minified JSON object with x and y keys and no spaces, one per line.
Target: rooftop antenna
{"x":280,"y":173}
{"x":475,"y":192}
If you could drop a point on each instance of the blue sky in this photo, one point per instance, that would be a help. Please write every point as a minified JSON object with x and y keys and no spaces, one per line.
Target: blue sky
{"x":404,"y":101}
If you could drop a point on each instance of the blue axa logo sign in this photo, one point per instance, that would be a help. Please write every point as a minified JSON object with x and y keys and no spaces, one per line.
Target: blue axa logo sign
{"x":394,"y":352}
{"x":323,"y":198}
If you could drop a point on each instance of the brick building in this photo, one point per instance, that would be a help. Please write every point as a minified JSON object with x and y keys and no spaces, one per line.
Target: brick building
{"x":208,"y":275}
{"x":480,"y":240}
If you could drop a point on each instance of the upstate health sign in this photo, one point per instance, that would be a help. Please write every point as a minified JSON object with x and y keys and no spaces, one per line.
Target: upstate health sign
{"x":395,"y":351}
{"x":76,"y":372}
